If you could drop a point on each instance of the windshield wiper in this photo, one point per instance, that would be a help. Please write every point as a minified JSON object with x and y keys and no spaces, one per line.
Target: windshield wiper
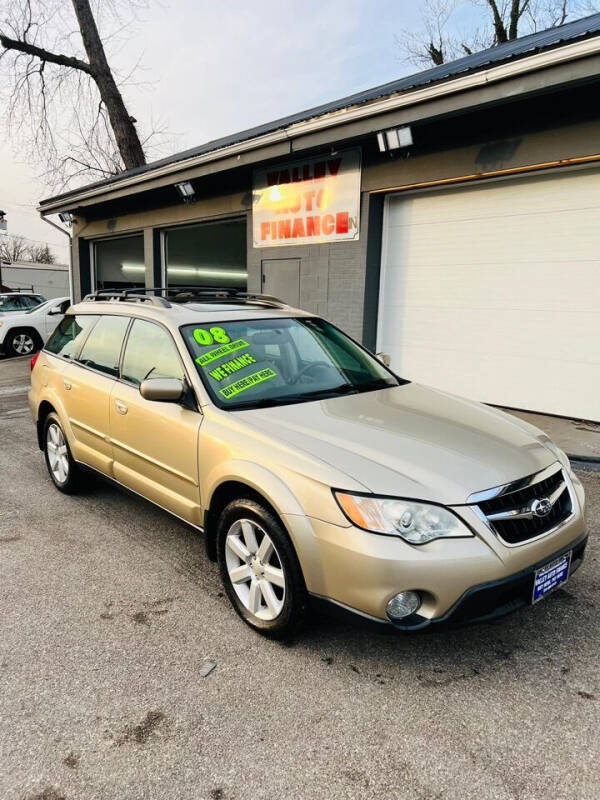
{"x":304,"y":397}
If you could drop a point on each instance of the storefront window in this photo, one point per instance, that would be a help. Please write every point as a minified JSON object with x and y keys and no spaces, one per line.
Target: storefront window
{"x":210,"y":254}
{"x":119,"y":263}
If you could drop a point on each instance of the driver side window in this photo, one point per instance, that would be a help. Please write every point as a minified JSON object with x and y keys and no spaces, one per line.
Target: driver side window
{"x":150,"y":353}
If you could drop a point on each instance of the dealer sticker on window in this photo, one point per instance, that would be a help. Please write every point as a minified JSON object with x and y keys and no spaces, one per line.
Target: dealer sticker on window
{"x":248,"y":382}
{"x":550,"y":577}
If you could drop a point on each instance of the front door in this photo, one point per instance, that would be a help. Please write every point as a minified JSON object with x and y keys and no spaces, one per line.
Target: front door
{"x":155,"y":444}
{"x":53,"y":316}
{"x":281,"y":278}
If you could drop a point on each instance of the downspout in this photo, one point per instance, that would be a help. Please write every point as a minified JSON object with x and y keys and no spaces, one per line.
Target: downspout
{"x":67,"y":233}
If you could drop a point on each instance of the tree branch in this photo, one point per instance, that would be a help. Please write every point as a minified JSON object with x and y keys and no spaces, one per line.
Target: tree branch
{"x":499,"y":27}
{"x":44,"y":55}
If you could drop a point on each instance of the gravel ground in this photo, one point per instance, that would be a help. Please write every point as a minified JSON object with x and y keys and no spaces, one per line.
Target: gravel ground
{"x":111,"y":613}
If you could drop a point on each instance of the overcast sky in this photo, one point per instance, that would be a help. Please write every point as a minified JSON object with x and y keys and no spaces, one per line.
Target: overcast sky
{"x":215,"y":68}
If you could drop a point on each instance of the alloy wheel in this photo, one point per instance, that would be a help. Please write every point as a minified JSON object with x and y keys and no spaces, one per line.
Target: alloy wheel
{"x":23,"y":344}
{"x":58,"y":457}
{"x":255,"y":569}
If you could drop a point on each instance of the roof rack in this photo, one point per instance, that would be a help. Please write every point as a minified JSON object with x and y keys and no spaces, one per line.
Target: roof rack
{"x":157,"y":295}
{"x":211,"y":294}
{"x":137,"y":295}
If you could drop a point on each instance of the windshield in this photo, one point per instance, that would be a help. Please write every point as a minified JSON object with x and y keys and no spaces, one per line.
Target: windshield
{"x":45,"y":304}
{"x":268,"y":362}
{"x":19,"y":302}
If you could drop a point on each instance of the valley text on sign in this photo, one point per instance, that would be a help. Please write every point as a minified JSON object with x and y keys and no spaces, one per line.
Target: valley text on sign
{"x":307,"y":202}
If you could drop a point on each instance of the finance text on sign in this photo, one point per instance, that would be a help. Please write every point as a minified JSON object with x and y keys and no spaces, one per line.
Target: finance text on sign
{"x":307,"y":202}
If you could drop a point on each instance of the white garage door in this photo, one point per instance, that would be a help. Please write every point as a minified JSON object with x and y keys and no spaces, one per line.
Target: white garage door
{"x":493,"y":291}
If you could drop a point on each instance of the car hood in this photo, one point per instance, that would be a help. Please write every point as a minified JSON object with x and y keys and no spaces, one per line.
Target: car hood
{"x":411,"y":441}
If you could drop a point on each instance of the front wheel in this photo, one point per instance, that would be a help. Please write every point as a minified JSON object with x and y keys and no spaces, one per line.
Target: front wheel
{"x":22,"y":343}
{"x":260,"y":570}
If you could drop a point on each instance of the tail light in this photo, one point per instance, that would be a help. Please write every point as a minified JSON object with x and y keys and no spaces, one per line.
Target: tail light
{"x":34,"y":361}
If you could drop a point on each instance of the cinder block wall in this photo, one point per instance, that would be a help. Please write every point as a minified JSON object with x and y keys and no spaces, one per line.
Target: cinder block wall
{"x":332,"y":276}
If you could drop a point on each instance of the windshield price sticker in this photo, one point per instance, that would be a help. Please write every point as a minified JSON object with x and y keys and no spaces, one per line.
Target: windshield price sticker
{"x":247,"y":383}
{"x":206,"y":337}
{"x":229,"y":367}
{"x":219,"y":352}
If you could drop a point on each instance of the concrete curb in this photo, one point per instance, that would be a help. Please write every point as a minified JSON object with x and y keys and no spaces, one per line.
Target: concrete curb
{"x":589,"y":463}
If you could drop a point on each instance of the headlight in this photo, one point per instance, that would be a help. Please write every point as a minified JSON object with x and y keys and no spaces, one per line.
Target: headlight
{"x":416,"y":523}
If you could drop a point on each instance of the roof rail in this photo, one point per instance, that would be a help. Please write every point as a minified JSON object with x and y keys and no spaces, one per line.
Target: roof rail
{"x":137,"y":295}
{"x":157,"y":295}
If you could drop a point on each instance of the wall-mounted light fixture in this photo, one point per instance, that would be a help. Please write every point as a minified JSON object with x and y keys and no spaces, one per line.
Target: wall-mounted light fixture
{"x":65,"y":217}
{"x":394,"y":139}
{"x":186,"y":191}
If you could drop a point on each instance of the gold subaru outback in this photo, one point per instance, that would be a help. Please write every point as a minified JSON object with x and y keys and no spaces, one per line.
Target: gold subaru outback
{"x":317,"y":475}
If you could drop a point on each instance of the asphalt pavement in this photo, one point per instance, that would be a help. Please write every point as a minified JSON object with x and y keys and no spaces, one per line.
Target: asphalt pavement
{"x":125,"y":674}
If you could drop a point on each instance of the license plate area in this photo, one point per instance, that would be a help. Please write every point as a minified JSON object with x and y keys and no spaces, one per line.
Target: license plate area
{"x":550,"y":577}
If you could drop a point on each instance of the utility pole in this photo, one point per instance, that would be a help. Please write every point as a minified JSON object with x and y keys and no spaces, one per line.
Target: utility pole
{"x":3,"y":227}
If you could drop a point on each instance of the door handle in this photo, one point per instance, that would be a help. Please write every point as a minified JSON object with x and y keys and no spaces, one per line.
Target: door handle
{"x":121,"y":407}
{"x":67,"y":384}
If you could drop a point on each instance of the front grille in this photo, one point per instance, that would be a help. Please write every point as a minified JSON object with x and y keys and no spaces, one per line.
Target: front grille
{"x":510,"y":516}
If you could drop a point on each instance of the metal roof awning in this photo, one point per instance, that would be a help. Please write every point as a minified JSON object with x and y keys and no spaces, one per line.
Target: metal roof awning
{"x":531,"y":53}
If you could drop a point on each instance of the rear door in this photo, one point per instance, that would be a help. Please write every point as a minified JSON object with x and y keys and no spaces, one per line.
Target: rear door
{"x":155,"y":444}
{"x":86,"y":388}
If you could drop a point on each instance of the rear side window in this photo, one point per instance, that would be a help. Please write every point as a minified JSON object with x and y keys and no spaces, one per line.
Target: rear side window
{"x":102,"y":348}
{"x":150,"y":353}
{"x":11,"y":303}
{"x":69,"y":335}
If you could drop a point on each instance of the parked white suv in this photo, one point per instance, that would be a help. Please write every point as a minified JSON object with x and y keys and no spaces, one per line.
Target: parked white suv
{"x":24,"y":332}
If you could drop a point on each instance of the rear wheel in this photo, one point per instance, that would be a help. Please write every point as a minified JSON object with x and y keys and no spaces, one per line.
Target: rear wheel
{"x":260,"y":569}
{"x":63,"y":470}
{"x":22,"y":343}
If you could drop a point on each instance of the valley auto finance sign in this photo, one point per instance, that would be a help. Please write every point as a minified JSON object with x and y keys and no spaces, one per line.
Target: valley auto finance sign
{"x":307,"y":202}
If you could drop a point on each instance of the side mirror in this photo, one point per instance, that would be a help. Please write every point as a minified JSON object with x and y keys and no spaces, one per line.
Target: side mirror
{"x":384,"y":358}
{"x":165,"y":390}
{"x":54,"y":311}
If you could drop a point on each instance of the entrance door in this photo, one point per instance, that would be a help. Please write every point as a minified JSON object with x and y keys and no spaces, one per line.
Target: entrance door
{"x":281,"y":278}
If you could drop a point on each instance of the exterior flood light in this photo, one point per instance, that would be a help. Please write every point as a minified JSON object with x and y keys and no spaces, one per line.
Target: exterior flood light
{"x":394,"y":139}
{"x":186,"y":191}
{"x":66,"y":217}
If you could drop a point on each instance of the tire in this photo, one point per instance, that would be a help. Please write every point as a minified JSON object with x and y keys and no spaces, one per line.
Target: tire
{"x":22,"y":342}
{"x":268,"y":590}
{"x":63,"y":470}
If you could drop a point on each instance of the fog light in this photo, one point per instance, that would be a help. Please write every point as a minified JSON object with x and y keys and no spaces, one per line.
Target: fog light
{"x":403,"y":605}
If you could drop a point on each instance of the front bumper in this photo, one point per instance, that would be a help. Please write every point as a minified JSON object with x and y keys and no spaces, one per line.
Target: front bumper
{"x":458,"y":580}
{"x":490,"y":601}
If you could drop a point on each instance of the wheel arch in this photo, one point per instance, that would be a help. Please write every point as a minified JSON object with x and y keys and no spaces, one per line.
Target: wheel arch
{"x":50,"y":402}
{"x":44,"y":409}
{"x":25,"y":329}
{"x":244,"y":479}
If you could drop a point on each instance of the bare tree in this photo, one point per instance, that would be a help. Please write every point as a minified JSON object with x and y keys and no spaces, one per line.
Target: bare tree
{"x":441,"y":38}
{"x":63,"y":100}
{"x":40,"y":254}
{"x":13,"y":248}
